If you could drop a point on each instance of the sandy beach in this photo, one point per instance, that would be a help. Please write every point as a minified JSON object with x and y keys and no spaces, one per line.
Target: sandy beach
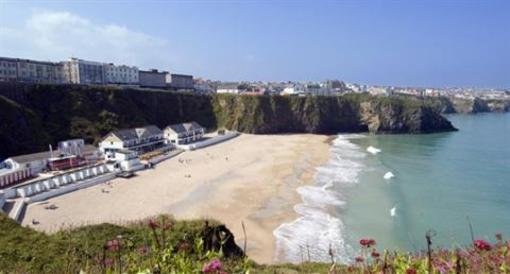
{"x":251,"y":178}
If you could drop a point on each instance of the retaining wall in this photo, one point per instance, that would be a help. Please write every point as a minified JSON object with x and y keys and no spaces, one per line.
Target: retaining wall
{"x":18,"y":208}
{"x":69,"y":188}
{"x":2,"y":200}
{"x":161,"y":158}
{"x":58,"y":181}
{"x":210,"y":141}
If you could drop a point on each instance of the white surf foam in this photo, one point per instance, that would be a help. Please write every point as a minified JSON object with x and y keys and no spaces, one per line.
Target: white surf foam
{"x":373,"y":150}
{"x":393,"y":211}
{"x":318,"y":229}
{"x":388,"y":175}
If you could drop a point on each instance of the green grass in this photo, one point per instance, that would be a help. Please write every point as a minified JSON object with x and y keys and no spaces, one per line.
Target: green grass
{"x":177,"y":247}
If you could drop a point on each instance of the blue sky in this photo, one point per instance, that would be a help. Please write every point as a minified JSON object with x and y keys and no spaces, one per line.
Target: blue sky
{"x":404,"y":43}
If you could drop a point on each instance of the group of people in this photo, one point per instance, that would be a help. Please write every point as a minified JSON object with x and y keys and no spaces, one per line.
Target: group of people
{"x":108,"y":183}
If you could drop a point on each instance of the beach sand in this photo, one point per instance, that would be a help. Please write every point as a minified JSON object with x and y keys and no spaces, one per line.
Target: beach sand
{"x":250,"y":179}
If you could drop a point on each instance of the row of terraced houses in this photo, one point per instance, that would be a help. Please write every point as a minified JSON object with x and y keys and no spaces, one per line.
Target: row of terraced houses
{"x":83,"y":72}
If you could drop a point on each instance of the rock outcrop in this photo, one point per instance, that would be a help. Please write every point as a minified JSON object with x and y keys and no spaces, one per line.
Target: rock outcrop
{"x":478,"y":105}
{"x":498,"y":105}
{"x":220,"y":238}
{"x":448,"y":105}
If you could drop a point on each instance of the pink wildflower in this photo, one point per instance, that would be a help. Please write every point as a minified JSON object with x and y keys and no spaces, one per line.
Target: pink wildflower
{"x":212,"y":266}
{"x":482,"y":245}
{"x":153,"y":224}
{"x":113,"y":245}
{"x":367,"y":242}
{"x":411,"y":271}
{"x":108,"y":262}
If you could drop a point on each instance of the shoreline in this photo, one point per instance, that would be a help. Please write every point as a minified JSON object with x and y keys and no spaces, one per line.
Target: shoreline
{"x":251,"y":179}
{"x":318,"y":232}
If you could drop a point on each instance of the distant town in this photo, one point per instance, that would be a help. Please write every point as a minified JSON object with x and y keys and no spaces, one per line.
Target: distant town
{"x":84,"y":72}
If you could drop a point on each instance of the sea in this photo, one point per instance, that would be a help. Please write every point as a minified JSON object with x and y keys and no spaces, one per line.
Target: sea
{"x":395,"y":189}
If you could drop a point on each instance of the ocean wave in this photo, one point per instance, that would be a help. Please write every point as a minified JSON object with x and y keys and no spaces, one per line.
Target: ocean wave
{"x":373,"y":150}
{"x":388,"y":175}
{"x":393,"y":211}
{"x":317,"y":230}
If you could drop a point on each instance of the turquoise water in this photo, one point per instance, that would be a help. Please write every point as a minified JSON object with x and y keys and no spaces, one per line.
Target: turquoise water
{"x":440,"y":180}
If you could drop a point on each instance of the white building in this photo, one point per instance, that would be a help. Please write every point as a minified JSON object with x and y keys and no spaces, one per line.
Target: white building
{"x":377,"y":91}
{"x":353,"y":87}
{"x":32,"y":71}
{"x":71,"y":153}
{"x":120,"y":74}
{"x":19,"y":168}
{"x":184,"y":133}
{"x":228,"y":88}
{"x":126,"y":160}
{"x":78,"y":71}
{"x":179,"y":81}
{"x":8,"y":69}
{"x":139,"y":140}
{"x":294,"y":90}
{"x":88,"y":153}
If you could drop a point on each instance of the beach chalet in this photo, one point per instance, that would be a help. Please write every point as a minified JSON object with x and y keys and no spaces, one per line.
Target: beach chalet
{"x":184,"y":133}
{"x":125,"y":160}
{"x":73,"y":153}
{"x":138,"y":140}
{"x":17,"y":169}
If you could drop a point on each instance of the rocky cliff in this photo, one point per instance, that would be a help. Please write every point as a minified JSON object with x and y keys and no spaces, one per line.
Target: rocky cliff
{"x":478,"y":105}
{"x":449,"y":105}
{"x":498,"y":105}
{"x":34,"y":116}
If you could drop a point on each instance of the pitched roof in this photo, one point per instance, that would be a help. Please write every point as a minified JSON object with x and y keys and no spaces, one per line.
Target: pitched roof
{"x":228,"y":86}
{"x":185,"y":127}
{"x":39,"y":156}
{"x":89,"y":149}
{"x":136,"y":133}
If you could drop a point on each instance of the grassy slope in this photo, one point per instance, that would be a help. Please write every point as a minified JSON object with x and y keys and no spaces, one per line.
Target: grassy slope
{"x":19,"y":127}
{"x":23,"y":250}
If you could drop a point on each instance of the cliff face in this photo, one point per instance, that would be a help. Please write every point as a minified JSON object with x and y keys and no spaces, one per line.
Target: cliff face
{"x":277,"y":114}
{"x":498,"y":105}
{"x":457,"y":105}
{"x":400,"y":116}
{"x":480,"y":105}
{"x":34,"y":116}
{"x":441,"y":104}
{"x":329,"y":115}
{"x":19,"y":127}
{"x":470,"y":106}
